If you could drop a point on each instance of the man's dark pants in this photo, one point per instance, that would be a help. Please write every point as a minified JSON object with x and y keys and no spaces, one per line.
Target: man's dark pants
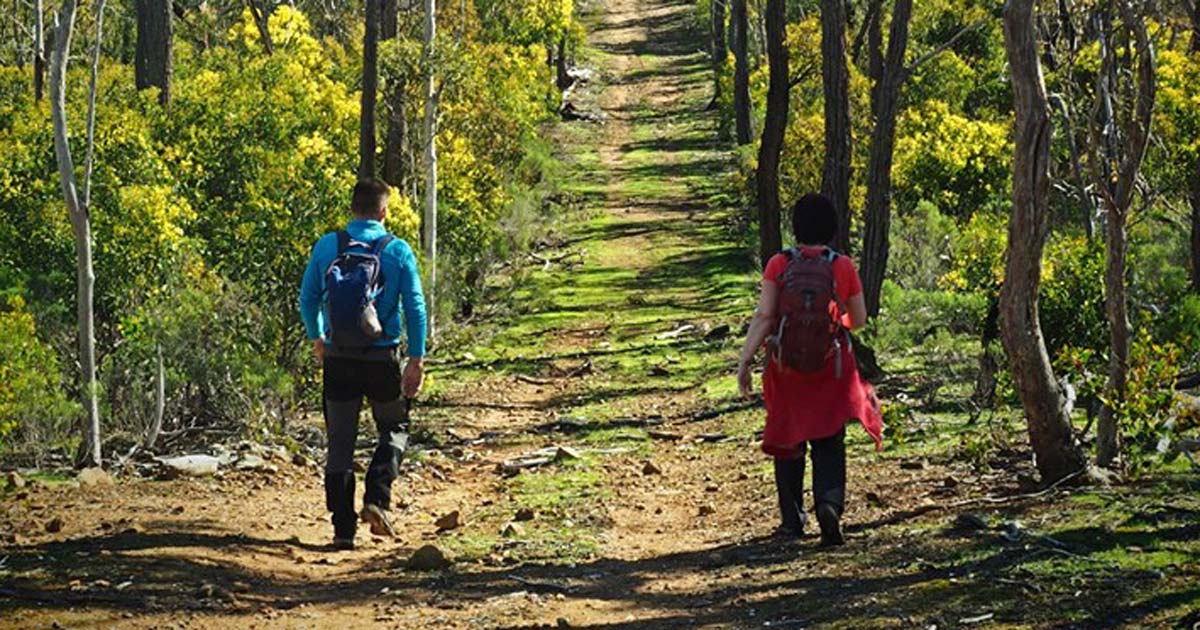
{"x":829,"y":479}
{"x":347,"y":380}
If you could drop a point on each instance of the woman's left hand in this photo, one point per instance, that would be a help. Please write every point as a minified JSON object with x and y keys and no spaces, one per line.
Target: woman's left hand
{"x":745,"y":383}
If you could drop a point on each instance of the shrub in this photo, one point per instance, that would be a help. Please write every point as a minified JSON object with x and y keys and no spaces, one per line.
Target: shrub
{"x":921,"y":244}
{"x":33,"y":405}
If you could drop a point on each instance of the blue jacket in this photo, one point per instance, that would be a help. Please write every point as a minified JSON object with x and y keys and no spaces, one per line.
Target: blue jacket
{"x":401,"y":288}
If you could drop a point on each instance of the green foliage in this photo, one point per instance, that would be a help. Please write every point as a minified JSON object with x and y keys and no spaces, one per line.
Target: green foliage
{"x":977,"y":258}
{"x":32,"y":401}
{"x":204,"y":213}
{"x":921,"y":243}
{"x":962,"y":165}
{"x":1150,"y":399}
{"x":1071,"y":300}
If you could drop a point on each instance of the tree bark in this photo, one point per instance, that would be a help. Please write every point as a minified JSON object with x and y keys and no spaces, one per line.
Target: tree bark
{"x":1195,"y":184}
{"x":1118,"y":188}
{"x":891,"y":74}
{"x":741,"y":73}
{"x":260,"y":20}
{"x":394,"y":171}
{"x":835,"y":73}
{"x":389,"y":24}
{"x":719,"y":48}
{"x":39,"y":51}
{"x":562,"y":77}
{"x":430,"y":223}
{"x":370,"y":89}
{"x":81,"y":227}
{"x":1050,"y":432}
{"x":767,"y":176}
{"x":152,"y":59}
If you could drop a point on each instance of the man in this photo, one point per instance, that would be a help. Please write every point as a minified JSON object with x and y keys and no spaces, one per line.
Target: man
{"x":357,"y":282}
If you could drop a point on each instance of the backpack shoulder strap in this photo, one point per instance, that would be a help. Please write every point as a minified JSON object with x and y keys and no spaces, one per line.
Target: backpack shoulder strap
{"x":382,"y":244}
{"x":343,"y":241}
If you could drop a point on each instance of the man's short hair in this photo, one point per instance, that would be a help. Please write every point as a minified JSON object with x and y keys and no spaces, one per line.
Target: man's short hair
{"x":370,"y":195}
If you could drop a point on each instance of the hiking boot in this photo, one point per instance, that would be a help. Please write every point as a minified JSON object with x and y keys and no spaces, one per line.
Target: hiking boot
{"x":831,"y":527}
{"x":374,"y":516}
{"x":343,"y":544}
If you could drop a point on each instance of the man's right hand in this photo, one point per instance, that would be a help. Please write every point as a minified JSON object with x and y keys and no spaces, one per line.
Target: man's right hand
{"x":319,"y":350}
{"x":414,"y":376}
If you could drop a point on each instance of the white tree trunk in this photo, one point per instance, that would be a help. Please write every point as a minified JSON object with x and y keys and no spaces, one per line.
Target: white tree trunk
{"x":81,"y":224}
{"x":431,"y":210}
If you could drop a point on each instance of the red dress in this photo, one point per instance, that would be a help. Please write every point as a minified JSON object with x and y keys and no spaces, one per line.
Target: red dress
{"x":809,"y":406}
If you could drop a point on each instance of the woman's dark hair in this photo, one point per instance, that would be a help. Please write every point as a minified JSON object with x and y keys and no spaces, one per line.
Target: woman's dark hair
{"x":814,"y":220}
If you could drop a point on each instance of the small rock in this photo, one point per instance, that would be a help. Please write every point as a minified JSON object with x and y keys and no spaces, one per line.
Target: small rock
{"x":54,"y":525}
{"x":192,"y":465}
{"x":707,"y":510}
{"x":250,"y":461}
{"x":562,"y":622}
{"x":650,"y":468}
{"x":94,"y":477}
{"x":449,"y":521}
{"x":524,"y":514}
{"x":512,"y":530}
{"x":15,"y":481}
{"x":299,"y":460}
{"x":565,"y":453}
{"x":428,"y":558}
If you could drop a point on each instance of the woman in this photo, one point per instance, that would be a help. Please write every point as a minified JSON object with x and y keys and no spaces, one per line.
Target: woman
{"x":811,"y":391}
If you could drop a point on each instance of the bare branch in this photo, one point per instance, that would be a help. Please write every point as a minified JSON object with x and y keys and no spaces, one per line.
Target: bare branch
{"x":945,"y":46}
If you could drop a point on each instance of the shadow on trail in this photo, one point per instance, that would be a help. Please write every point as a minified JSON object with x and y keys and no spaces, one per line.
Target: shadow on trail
{"x":881,"y":578}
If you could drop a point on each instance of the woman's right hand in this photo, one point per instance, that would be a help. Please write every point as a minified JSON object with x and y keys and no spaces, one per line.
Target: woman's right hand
{"x":745,"y":382}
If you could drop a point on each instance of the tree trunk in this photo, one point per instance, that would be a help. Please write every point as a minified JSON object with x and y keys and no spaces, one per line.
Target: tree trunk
{"x":835,"y":176}
{"x":719,"y":47}
{"x":370,"y":89}
{"x":1195,"y":203}
{"x":1119,"y":187}
{"x":39,"y":51}
{"x":1108,"y":439}
{"x":389,"y":26}
{"x":160,"y":403}
{"x":891,"y":74}
{"x":260,"y":16}
{"x":82,"y":228}
{"x":1050,"y":433}
{"x":152,"y":58}
{"x":741,"y":73}
{"x":394,"y":172}
{"x":562,"y":77}
{"x":430,"y":224}
{"x":1195,"y":187}
{"x":767,"y":176}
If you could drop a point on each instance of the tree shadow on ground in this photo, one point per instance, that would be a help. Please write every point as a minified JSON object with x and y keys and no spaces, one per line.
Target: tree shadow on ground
{"x":884,"y":578}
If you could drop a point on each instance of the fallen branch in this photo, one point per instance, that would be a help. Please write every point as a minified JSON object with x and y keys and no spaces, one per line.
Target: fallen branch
{"x":709,"y":414}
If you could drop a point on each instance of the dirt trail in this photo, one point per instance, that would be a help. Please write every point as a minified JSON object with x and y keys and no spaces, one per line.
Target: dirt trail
{"x":613,"y":359}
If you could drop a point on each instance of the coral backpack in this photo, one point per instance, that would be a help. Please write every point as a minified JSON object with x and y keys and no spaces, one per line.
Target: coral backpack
{"x":808,"y":333}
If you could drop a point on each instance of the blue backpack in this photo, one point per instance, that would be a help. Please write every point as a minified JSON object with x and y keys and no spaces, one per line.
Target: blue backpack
{"x":352,"y":282}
